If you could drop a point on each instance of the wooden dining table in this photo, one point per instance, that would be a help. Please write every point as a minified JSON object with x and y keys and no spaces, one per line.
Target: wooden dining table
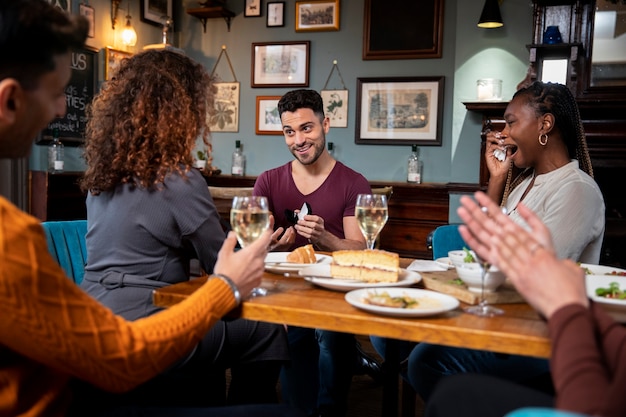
{"x":292,"y":300}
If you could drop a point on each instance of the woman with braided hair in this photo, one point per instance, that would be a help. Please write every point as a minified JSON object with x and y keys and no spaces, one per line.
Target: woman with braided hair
{"x":546,"y":164}
{"x":540,"y":159}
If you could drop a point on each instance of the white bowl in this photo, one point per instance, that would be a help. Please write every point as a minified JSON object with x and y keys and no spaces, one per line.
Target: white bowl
{"x":470,"y":274}
{"x":615,"y":307}
{"x":457,"y":257}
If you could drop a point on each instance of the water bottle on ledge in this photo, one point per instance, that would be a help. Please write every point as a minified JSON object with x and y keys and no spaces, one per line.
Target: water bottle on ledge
{"x":414,"y":166}
{"x":56,"y":162}
{"x":239,"y":161}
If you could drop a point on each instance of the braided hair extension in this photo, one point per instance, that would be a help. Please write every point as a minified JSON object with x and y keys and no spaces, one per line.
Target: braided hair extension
{"x":558,"y":100}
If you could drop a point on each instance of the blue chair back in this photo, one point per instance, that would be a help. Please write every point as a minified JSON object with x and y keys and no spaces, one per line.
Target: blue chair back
{"x":446,"y":238}
{"x":66,"y":243}
{"x":541,"y":412}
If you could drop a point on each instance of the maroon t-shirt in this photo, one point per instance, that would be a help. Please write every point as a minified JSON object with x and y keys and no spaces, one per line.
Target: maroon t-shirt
{"x":332,"y":201}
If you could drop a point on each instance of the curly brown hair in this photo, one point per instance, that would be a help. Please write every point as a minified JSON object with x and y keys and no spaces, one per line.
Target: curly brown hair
{"x":144,"y":123}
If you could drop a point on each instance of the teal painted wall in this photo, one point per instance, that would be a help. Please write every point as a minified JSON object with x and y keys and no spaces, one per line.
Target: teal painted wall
{"x":469,"y":53}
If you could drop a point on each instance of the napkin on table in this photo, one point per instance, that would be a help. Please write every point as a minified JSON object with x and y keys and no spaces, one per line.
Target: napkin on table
{"x":423,"y":265}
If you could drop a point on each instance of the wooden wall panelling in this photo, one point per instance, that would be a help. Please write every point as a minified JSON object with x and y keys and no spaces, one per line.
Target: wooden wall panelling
{"x":56,"y":196}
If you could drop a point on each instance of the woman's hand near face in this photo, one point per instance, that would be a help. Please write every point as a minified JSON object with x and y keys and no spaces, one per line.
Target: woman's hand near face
{"x":494,"y":144}
{"x":245,"y":267}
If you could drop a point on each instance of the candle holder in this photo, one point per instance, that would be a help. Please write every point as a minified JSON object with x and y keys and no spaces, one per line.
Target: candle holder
{"x":489,"y":89}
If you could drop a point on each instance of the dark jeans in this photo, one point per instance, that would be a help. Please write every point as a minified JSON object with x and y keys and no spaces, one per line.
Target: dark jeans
{"x":481,"y":396}
{"x":428,"y":364}
{"x":320,"y":371}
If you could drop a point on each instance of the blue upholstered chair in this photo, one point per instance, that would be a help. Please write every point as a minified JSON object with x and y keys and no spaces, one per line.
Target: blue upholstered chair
{"x":541,"y":412}
{"x":446,"y":238}
{"x":66,"y":243}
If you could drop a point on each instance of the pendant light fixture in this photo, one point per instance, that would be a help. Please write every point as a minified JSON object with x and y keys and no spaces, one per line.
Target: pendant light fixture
{"x":129,"y":36}
{"x":490,"y":18}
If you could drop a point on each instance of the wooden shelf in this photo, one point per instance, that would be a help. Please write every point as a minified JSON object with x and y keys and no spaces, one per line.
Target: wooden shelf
{"x":205,"y":13}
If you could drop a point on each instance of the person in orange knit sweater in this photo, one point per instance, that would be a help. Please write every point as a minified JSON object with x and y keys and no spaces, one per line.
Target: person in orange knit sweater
{"x":51,"y":332}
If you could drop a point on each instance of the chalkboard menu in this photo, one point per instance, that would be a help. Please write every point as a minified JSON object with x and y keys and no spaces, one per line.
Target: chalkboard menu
{"x":78,"y":94}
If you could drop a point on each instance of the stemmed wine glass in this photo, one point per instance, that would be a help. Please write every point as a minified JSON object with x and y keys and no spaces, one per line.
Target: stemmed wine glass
{"x":249,"y":218}
{"x":483,"y":309}
{"x":371,"y":215}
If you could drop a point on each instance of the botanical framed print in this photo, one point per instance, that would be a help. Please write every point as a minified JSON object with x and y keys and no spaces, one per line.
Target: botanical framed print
{"x":155,"y":12}
{"x":280,"y":64}
{"x":336,"y":107}
{"x":317,"y":15}
{"x":252,"y":8}
{"x":226,"y":112}
{"x":421,"y":35}
{"x":89,"y":13}
{"x":112,"y":58}
{"x":267,"y":117}
{"x":399,"y":110}
{"x":275,"y":14}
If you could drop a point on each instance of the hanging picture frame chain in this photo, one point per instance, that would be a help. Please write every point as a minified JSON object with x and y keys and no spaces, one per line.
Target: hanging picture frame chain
{"x":333,"y":68}
{"x":225,"y":117}
{"x":230,"y":65}
{"x":335,"y":101}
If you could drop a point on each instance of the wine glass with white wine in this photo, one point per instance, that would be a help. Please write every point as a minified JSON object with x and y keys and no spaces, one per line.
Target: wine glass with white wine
{"x":371,"y":215}
{"x":249,"y":218}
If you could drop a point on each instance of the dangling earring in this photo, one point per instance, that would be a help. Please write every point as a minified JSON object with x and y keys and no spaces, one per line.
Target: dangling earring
{"x":543,"y":139}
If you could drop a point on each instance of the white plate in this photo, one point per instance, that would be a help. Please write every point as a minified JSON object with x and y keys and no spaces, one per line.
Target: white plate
{"x":442,"y":302}
{"x":277,"y":262}
{"x":445,"y":262}
{"x":603,"y":270}
{"x":320,"y":275}
{"x":615,"y":308}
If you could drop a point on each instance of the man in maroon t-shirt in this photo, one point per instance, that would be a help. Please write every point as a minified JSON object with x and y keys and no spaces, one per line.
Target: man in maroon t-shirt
{"x":322,"y":362}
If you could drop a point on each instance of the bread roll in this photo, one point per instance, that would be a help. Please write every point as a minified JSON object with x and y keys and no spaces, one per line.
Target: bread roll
{"x":302,"y":255}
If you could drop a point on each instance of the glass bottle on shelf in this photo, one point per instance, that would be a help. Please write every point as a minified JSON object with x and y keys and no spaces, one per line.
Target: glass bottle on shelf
{"x":56,"y":162}
{"x":331,"y":149}
{"x":414,"y":166}
{"x":239,"y":161}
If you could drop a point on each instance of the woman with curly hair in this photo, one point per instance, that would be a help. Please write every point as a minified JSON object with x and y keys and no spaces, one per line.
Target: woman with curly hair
{"x":149,"y":214}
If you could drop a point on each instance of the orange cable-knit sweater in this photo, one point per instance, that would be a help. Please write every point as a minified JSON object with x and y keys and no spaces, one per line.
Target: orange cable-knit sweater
{"x":51,"y":331}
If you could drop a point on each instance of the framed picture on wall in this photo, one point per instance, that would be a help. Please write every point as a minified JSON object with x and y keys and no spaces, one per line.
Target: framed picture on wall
{"x":421,"y":35}
{"x":336,"y":107}
{"x":226,"y":112}
{"x":267,"y":117}
{"x":155,"y":12}
{"x":317,"y":15}
{"x":89,"y":13}
{"x":252,"y":8}
{"x":280,"y":64}
{"x":275,"y":14}
{"x":399,"y":110}
{"x":112,"y":59}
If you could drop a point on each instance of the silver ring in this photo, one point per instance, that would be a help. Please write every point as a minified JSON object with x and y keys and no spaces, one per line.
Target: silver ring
{"x":534,"y":248}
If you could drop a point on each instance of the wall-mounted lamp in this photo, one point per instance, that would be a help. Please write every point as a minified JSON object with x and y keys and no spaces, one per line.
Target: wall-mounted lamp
{"x":129,"y":36}
{"x":490,"y":17}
